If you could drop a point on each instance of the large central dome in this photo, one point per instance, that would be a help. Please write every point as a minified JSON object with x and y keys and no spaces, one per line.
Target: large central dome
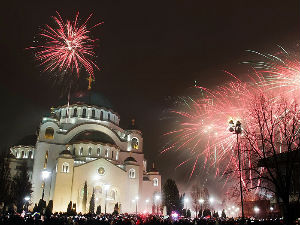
{"x":90,"y":98}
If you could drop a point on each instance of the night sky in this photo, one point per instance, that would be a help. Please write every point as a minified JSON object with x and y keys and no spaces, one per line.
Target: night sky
{"x":149,"y":52}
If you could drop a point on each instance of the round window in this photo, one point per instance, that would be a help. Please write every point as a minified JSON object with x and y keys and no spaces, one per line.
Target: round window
{"x":101,"y":171}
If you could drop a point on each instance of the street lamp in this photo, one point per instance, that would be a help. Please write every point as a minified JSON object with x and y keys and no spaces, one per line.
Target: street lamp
{"x":201,"y":201}
{"x":45,"y":175}
{"x":157,"y":198}
{"x":106,"y":188}
{"x":236,"y":128}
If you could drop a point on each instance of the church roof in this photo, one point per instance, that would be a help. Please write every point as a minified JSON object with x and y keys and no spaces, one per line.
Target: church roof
{"x":28,"y":140}
{"x":91,"y":98}
{"x":130,"y":159}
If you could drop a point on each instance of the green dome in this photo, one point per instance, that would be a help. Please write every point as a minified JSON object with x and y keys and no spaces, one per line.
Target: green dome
{"x":91,"y":98}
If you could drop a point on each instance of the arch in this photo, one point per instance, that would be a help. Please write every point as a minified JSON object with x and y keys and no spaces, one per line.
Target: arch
{"x":94,"y":127}
{"x":113,"y":194}
{"x":101,"y":115}
{"x":135,"y":143}
{"x":106,"y":152}
{"x":30,"y":155}
{"x":75,"y":112}
{"x":132,"y":173}
{"x":22,"y":154}
{"x":112,"y":154}
{"x":155,"y":182}
{"x":46,"y":160}
{"x":98,"y":151}
{"x":90,"y":151}
{"x":93,"y":113}
{"x":49,"y":133}
{"x":83,"y":115}
{"x":94,"y":136}
{"x":65,"y":167}
{"x":81,"y":151}
{"x":108,"y":116}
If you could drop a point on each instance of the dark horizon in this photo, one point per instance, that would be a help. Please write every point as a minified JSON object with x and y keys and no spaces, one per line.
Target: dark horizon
{"x":148,"y":53}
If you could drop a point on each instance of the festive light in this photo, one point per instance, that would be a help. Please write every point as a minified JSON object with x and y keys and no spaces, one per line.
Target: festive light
{"x":67,"y":47}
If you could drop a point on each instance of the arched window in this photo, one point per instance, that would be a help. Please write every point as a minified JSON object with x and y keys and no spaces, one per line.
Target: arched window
{"x":135,"y":143}
{"x":155,"y":182}
{"x":65,"y":167}
{"x":101,"y":115}
{"x":22,"y":154}
{"x":90,"y":151}
{"x":49,"y":133}
{"x":75,"y":112}
{"x":98,"y":151}
{"x":81,"y":151}
{"x":113,"y":194}
{"x":108,"y":116}
{"x":83,"y":113}
{"x":93,"y":114}
{"x":112,"y":154}
{"x":59,"y":115}
{"x":46,"y":160}
{"x":132,"y":173}
{"x":106,"y":153}
{"x":29,"y":154}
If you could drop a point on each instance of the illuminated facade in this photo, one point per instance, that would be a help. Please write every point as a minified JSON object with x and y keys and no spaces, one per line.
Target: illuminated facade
{"x":82,"y":142}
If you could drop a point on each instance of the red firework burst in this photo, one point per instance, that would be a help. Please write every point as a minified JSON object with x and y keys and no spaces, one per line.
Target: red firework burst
{"x":67,"y":47}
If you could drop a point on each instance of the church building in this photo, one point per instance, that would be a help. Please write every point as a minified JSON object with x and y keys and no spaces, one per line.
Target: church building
{"x":82,"y":143}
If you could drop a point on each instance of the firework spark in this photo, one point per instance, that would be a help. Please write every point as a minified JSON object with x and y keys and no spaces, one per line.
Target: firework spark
{"x":67,"y":47}
{"x":281,"y":73}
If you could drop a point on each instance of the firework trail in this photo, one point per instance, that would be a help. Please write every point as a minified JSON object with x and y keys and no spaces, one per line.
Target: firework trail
{"x":67,"y":47}
{"x":281,"y":73}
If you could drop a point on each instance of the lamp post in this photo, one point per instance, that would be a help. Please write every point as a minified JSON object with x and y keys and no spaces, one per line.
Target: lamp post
{"x":157,"y":198}
{"x":45,"y":175}
{"x":201,"y":201}
{"x":106,"y":188}
{"x":236,"y":128}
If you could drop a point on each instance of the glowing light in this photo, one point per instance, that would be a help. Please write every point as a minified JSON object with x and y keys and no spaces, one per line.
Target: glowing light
{"x":201,"y":200}
{"x":211,"y":200}
{"x":271,"y":208}
{"x":157,"y":197}
{"x":186,"y":200}
{"x":27,"y":198}
{"x":256,"y":209}
{"x":147,"y":200}
{"x":45,"y":174}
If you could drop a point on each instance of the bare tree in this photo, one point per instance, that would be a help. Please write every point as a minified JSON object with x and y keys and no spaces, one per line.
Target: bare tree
{"x":271,"y":150}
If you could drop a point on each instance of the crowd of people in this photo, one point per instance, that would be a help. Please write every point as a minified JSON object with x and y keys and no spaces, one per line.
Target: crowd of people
{"x":108,"y":219}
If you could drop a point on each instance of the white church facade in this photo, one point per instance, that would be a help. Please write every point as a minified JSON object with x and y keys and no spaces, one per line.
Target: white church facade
{"x":80,"y":143}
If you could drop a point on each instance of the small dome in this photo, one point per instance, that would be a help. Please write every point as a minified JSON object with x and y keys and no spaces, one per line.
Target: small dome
{"x":65,"y":152}
{"x":130,"y":159}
